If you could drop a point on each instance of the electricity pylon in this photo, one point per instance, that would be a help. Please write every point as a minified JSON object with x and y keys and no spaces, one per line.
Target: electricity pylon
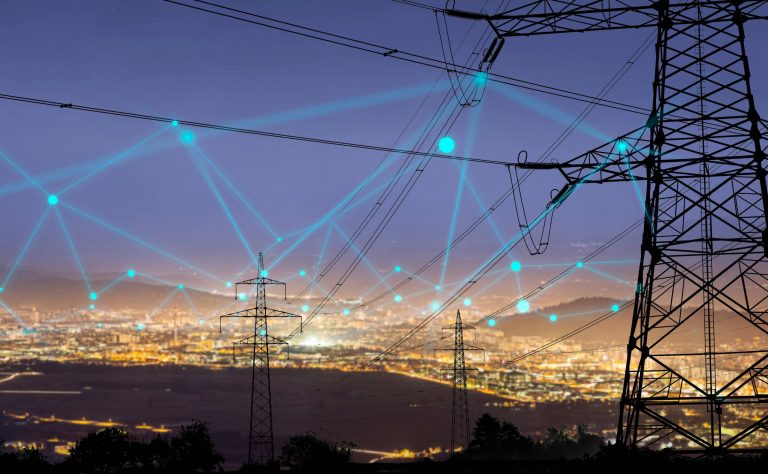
{"x":261,"y":445}
{"x":704,"y":251}
{"x":460,"y":427}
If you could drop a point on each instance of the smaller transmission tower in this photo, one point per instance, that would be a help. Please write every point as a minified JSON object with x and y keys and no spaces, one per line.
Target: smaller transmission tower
{"x":460,"y":427}
{"x":261,"y":446}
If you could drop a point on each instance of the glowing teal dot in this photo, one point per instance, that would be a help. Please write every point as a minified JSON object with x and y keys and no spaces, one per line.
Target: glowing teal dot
{"x":131,"y":273}
{"x":2,"y":290}
{"x":302,"y":272}
{"x":553,"y":317}
{"x":437,"y":287}
{"x":345,"y":312}
{"x":201,"y":321}
{"x":181,"y":286}
{"x":174,"y":123}
{"x":262,"y":332}
{"x":264,"y":273}
{"x":434,"y":306}
{"x":398,"y":269}
{"x":523,"y":306}
{"x":229,"y":284}
{"x":467,"y":302}
{"x":398,"y":298}
{"x":305,"y":308}
{"x":279,"y":239}
{"x":93,"y":295}
{"x":491,"y":322}
{"x":481,"y":77}
{"x":241,"y":296}
{"x":515,"y":266}
{"x":187,"y":137}
{"x":622,"y":146}
{"x":93,"y":306}
{"x":53,"y":199}
{"x":99,"y":325}
{"x":446,"y":145}
{"x":140,"y":327}
{"x":615,"y":308}
{"x":579,"y":264}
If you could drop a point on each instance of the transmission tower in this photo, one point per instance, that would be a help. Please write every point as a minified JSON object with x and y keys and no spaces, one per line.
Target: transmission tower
{"x":261,"y":446}
{"x":460,"y":427}
{"x":704,"y":248}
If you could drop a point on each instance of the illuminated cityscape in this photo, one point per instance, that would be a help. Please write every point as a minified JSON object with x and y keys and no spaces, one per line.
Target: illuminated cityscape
{"x":216,"y":210}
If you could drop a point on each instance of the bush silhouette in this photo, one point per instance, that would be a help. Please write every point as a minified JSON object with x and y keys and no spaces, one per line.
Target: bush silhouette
{"x":307,"y":452}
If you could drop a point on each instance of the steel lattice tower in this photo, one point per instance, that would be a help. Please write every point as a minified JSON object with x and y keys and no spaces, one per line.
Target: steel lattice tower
{"x":460,"y":425}
{"x":261,"y":446}
{"x":704,"y":251}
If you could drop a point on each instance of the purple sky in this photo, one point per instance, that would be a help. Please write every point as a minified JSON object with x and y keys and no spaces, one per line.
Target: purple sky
{"x":152,"y":57}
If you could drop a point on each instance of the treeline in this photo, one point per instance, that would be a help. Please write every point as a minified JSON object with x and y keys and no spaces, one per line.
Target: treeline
{"x":494,"y":439}
{"x":496,"y":446}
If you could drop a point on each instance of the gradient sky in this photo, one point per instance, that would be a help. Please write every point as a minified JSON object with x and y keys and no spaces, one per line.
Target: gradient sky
{"x":152,"y":57}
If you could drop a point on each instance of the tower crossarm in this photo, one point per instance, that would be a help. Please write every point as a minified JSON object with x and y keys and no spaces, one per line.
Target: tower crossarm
{"x":262,"y":340}
{"x":546,"y":17}
{"x":620,"y":160}
{"x":260,"y":312}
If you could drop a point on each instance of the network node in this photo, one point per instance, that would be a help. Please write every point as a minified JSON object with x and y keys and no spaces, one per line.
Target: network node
{"x":99,"y":325}
{"x":515,"y":266}
{"x":262,"y":333}
{"x":398,"y":298}
{"x":140,"y":327}
{"x":264,"y":273}
{"x":491,"y":322}
{"x":187,"y":137}
{"x":579,"y":264}
{"x":201,"y":321}
{"x":279,"y":239}
{"x":305,"y":308}
{"x":398,"y":269}
{"x":53,"y":199}
{"x":181,"y":286}
{"x":437,"y":287}
{"x":92,"y":306}
{"x":622,"y":146}
{"x":467,"y":302}
{"x":2,"y":290}
{"x":435,"y":306}
{"x":481,"y":77}
{"x":553,"y":317}
{"x":615,"y":308}
{"x":131,"y":273}
{"x":346,"y":312}
{"x":229,"y":284}
{"x":241,"y":296}
{"x":93,"y":295}
{"x":523,"y":306}
{"x":446,"y":145}
{"x":174,"y":123}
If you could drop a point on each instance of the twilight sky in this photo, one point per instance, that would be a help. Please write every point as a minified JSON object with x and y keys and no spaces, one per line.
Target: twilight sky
{"x":132,"y":195}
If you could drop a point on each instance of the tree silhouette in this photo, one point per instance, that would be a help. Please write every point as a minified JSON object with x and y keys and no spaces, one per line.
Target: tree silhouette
{"x":191,"y":450}
{"x":109,"y":450}
{"x":307,"y":452}
{"x":499,"y":439}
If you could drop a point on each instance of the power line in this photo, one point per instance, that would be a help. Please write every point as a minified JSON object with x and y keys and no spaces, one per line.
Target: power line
{"x":227,"y":128}
{"x":395,"y":53}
